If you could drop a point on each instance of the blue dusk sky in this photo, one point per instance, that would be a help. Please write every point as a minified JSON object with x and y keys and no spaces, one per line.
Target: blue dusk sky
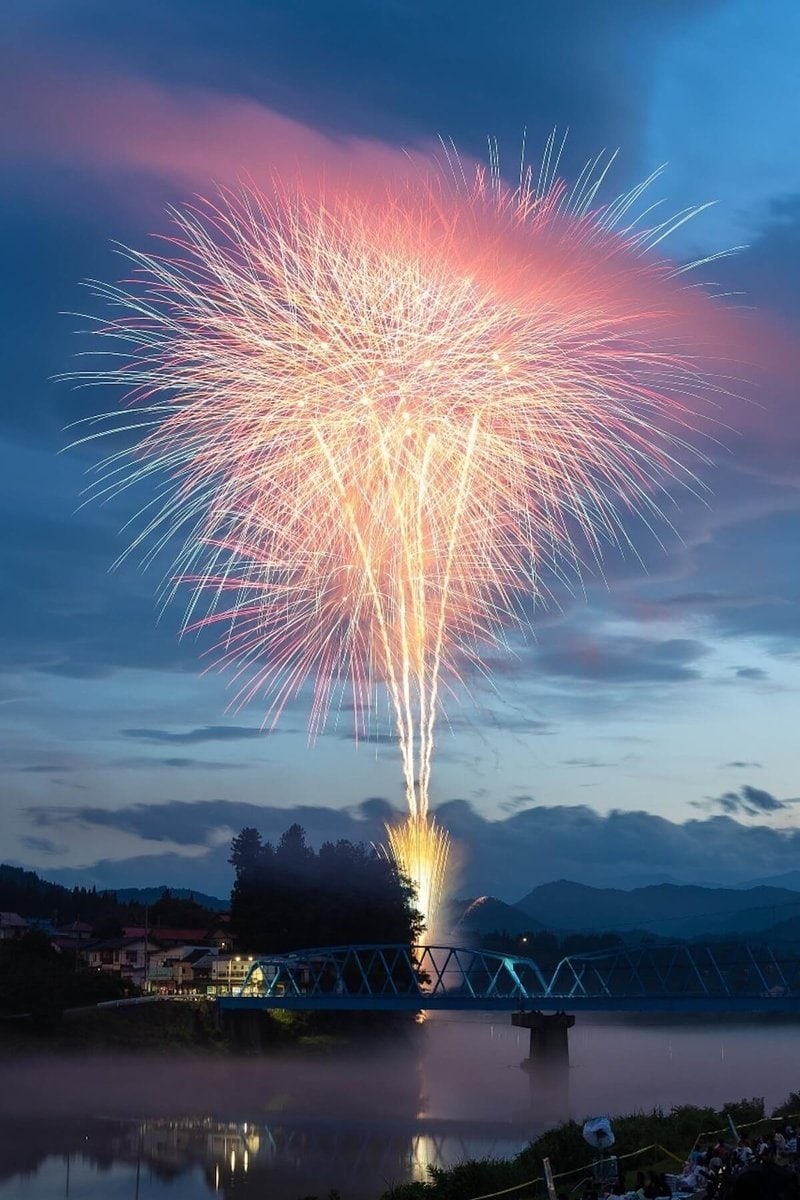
{"x":651,"y":729}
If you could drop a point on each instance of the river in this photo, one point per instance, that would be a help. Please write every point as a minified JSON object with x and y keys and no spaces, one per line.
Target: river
{"x":299,"y":1125}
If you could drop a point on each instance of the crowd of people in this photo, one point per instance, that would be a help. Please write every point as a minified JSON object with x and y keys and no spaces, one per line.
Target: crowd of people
{"x":766,"y":1166}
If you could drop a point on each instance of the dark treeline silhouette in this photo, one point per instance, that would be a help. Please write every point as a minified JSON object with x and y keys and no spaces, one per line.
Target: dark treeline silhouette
{"x":168,"y":911}
{"x":24,"y":892}
{"x":547,"y":949}
{"x":38,"y":981}
{"x":287,"y":897}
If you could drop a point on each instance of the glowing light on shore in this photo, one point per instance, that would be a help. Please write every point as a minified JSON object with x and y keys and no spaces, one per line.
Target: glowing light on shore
{"x":378,"y":431}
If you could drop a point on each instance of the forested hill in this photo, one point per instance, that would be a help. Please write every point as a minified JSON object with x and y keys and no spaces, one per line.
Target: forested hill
{"x":25,"y":893}
{"x":670,"y":910}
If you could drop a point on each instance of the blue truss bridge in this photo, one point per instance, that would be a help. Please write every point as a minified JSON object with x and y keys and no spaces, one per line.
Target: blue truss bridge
{"x":726,"y":978}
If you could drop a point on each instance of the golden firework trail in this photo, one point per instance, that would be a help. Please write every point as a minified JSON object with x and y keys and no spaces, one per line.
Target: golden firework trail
{"x":376,"y":428}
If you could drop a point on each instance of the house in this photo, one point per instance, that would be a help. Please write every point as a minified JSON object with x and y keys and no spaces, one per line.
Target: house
{"x":181,"y":969}
{"x":12,"y":925}
{"x":195,"y":969}
{"x":74,"y":936}
{"x":128,"y":957}
{"x":168,"y":936}
{"x":228,"y":972}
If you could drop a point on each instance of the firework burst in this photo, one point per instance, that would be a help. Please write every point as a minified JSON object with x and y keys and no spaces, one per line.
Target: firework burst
{"x":378,"y":430}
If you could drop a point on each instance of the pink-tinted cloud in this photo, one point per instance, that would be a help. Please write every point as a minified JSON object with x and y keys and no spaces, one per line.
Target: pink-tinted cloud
{"x":112,"y":123}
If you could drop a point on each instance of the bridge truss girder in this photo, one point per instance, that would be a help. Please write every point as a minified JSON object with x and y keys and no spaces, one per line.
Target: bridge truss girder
{"x":730,"y":977}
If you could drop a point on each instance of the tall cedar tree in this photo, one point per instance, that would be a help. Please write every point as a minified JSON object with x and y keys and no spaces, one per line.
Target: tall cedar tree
{"x":287,"y":897}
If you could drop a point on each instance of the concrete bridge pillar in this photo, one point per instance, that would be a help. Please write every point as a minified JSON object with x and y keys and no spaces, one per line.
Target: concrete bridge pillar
{"x":549,"y":1034}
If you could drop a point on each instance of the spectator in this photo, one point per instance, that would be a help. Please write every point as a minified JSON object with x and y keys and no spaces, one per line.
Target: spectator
{"x":655,"y":1186}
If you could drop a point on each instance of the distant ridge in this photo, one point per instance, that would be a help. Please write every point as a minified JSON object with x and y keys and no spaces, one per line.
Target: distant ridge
{"x":149,"y":895}
{"x":789,"y":879}
{"x":669,"y":910}
{"x":488,"y":915}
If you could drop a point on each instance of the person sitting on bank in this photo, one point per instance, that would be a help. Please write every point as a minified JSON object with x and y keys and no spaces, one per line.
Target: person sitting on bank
{"x":655,"y":1186}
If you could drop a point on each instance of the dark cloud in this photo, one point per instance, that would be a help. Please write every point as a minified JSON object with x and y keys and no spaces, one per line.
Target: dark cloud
{"x":751,"y":673}
{"x":762,"y":547}
{"x":515,"y":803}
{"x":740,"y":765}
{"x":197,"y":823}
{"x":370,"y":738}
{"x":193,"y":737}
{"x":624,"y":660}
{"x":46,"y":769}
{"x":714,"y":602}
{"x":41,"y":845}
{"x":193,"y":763}
{"x":177,"y":762}
{"x":503,"y":857}
{"x":589,"y":763}
{"x":749,"y":801}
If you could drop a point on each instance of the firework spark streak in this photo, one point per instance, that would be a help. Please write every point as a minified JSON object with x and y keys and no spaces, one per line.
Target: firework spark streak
{"x":379,"y":430}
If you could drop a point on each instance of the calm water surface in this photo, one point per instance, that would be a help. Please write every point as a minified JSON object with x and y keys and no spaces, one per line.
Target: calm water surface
{"x":185,"y":1129}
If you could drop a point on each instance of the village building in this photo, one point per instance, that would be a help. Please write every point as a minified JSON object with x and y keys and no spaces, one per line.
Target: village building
{"x":127,"y":957}
{"x":12,"y":925}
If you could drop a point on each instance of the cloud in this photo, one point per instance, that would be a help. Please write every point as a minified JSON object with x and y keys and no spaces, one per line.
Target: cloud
{"x":46,"y":769}
{"x":177,"y":762}
{"x":749,"y":801}
{"x":756,"y":673}
{"x":41,"y":845}
{"x":515,"y":803}
{"x":370,"y":738}
{"x":769,"y":266}
{"x":197,"y":823}
{"x":740,"y":765}
{"x":590,"y":763}
{"x":394,"y":72}
{"x":503,"y":857}
{"x":622,"y":660}
{"x":181,"y":138}
{"x":193,"y":737}
{"x":760,"y":538}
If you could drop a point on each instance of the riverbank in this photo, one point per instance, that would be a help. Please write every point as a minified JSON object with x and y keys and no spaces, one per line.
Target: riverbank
{"x":654,"y":1141}
{"x":194,"y":1027}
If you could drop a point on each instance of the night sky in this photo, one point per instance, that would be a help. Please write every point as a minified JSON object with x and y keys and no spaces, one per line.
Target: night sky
{"x":651,"y":730}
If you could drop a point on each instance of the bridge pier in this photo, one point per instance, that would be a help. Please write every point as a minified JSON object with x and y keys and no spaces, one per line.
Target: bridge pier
{"x":549,"y":1034}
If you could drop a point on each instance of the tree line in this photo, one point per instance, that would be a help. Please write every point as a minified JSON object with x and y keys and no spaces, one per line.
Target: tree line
{"x":290,"y":897}
{"x":24,"y":892}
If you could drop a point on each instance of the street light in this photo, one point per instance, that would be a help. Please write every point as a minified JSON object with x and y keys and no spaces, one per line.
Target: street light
{"x":230,"y":961}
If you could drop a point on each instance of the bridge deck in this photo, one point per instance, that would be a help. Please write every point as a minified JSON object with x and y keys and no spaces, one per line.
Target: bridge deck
{"x":574,"y":1004}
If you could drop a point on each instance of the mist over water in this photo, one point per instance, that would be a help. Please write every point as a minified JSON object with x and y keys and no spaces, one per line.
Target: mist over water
{"x":302,"y":1123}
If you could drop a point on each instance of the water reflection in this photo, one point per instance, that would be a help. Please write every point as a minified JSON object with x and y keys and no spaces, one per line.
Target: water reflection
{"x":227,"y":1159}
